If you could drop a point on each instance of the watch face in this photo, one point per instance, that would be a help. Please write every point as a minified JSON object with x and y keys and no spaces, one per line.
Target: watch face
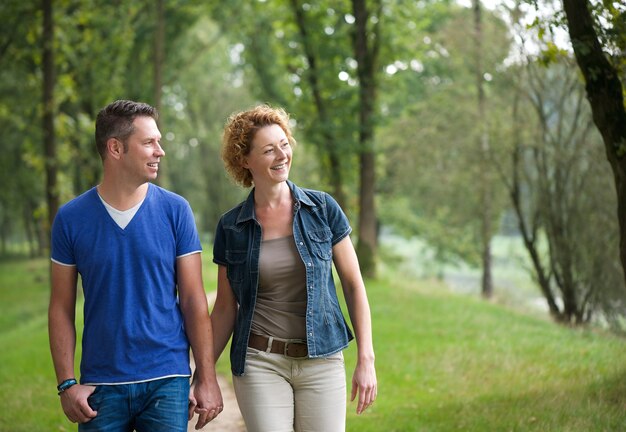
{"x":66,"y":384}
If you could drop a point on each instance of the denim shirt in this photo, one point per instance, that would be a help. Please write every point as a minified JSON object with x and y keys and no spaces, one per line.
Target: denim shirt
{"x":318,"y":224}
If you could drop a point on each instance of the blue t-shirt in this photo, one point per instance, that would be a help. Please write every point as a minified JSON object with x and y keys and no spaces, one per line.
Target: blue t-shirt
{"x":133,"y":324}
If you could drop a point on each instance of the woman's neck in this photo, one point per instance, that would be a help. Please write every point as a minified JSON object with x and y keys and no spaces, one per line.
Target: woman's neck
{"x":272,"y":197}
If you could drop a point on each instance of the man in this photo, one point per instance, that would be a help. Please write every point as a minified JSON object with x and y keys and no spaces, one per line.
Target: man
{"x":136,"y":248}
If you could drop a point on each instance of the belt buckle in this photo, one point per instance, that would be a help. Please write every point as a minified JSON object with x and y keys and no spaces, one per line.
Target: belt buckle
{"x":286,"y":351}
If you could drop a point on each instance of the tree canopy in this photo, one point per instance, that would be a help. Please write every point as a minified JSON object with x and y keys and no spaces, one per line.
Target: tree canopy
{"x":429,"y":119}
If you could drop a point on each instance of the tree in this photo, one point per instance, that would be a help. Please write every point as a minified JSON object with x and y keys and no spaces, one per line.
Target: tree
{"x":366,"y":49}
{"x":605,"y":95}
{"x":52,"y":192}
{"x":313,"y":76}
{"x":158,"y":65}
{"x":484,"y":180}
{"x":321,"y":64}
{"x":196,"y":105}
{"x":562,"y":197}
{"x":432,"y":149}
{"x":23,"y":214}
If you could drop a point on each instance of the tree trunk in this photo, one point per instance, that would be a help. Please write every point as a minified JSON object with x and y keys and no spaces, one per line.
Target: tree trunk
{"x":4,"y":233}
{"x":483,"y":150}
{"x":328,"y":139}
{"x":528,"y":229}
{"x":367,"y":58}
{"x":605,"y":94}
{"x":27,"y":213}
{"x":159,"y":54}
{"x":52,"y":191}
{"x":529,"y":233}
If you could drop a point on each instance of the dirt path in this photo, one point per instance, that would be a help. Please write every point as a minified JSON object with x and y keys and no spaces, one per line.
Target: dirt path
{"x":230,"y":419}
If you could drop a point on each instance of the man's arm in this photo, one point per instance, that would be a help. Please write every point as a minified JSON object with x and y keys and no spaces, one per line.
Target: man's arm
{"x":206,"y":397}
{"x":62,"y":334}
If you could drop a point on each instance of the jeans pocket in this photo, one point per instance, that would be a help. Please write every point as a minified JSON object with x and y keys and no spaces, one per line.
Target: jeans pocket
{"x":336,"y":357}
{"x":253,"y":352}
{"x":95,"y":399}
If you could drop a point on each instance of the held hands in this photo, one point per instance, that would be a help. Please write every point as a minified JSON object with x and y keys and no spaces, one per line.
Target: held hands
{"x":74,"y":403}
{"x":364,"y":382}
{"x":205,"y":399}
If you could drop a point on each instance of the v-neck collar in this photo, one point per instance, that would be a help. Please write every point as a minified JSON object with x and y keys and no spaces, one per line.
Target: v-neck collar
{"x":108,"y":216}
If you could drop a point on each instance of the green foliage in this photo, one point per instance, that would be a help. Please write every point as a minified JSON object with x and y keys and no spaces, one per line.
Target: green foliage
{"x":430,"y":152}
{"x":225,"y":56}
{"x":104,"y":51}
{"x":21,"y":194}
{"x":195,"y":107}
{"x":551,"y":54}
{"x":567,"y":194}
{"x":297,"y":65}
{"x":609,"y":20}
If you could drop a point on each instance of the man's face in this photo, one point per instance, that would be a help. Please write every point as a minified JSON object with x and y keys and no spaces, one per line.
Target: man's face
{"x":142,"y":149}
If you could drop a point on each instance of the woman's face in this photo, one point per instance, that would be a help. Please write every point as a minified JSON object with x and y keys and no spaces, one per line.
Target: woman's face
{"x":269,"y":159}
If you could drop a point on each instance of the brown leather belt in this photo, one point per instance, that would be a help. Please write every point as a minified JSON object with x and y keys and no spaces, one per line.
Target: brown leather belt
{"x":288,"y":349}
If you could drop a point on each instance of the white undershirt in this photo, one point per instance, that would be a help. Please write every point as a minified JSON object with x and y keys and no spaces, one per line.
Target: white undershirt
{"x":122,"y":218}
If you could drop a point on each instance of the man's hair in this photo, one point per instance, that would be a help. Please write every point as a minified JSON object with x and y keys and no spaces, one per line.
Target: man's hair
{"x":239,"y":133}
{"x":116,"y":121}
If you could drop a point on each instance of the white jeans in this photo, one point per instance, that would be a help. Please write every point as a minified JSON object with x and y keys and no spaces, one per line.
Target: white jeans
{"x":281,"y":394}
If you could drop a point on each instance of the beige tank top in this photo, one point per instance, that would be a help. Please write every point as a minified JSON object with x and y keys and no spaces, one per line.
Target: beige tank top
{"x":281,"y":299}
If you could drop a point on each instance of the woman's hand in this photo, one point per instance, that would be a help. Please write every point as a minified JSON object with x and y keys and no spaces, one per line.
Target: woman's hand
{"x":364,"y":383}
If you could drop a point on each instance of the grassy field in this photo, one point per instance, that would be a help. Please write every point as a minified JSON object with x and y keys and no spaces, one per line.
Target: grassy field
{"x":445,"y":362}
{"x":453,"y":363}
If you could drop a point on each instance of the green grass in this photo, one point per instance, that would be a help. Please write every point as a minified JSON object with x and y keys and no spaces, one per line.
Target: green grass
{"x":445,"y":362}
{"x":27,"y":382}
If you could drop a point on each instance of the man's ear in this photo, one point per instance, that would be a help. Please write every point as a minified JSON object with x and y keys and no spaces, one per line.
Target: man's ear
{"x":115,"y":148}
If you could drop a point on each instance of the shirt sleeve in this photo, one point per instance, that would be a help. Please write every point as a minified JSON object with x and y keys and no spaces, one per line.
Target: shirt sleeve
{"x":219,"y":249}
{"x":337,"y":220}
{"x":61,"y":250}
{"x":187,"y":239}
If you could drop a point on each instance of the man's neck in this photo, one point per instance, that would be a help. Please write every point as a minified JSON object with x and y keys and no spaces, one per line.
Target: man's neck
{"x":122,"y":197}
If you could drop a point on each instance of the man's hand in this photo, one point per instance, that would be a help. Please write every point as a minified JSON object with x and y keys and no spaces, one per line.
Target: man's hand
{"x":205,"y":399}
{"x":74,"y":403}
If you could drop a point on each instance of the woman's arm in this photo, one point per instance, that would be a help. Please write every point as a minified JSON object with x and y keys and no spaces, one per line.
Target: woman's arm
{"x":224,"y":313}
{"x":364,"y":377}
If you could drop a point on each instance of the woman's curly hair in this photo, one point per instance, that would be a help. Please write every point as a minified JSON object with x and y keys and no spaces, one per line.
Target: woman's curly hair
{"x":239,"y":132}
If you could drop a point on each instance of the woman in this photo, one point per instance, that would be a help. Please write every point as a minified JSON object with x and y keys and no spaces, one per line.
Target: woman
{"x":276,"y":294}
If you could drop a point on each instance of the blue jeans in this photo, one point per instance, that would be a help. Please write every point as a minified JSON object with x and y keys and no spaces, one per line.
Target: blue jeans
{"x":154,"y":406}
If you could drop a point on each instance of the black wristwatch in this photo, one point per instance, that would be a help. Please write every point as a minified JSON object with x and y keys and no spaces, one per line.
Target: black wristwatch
{"x":66,"y":384}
